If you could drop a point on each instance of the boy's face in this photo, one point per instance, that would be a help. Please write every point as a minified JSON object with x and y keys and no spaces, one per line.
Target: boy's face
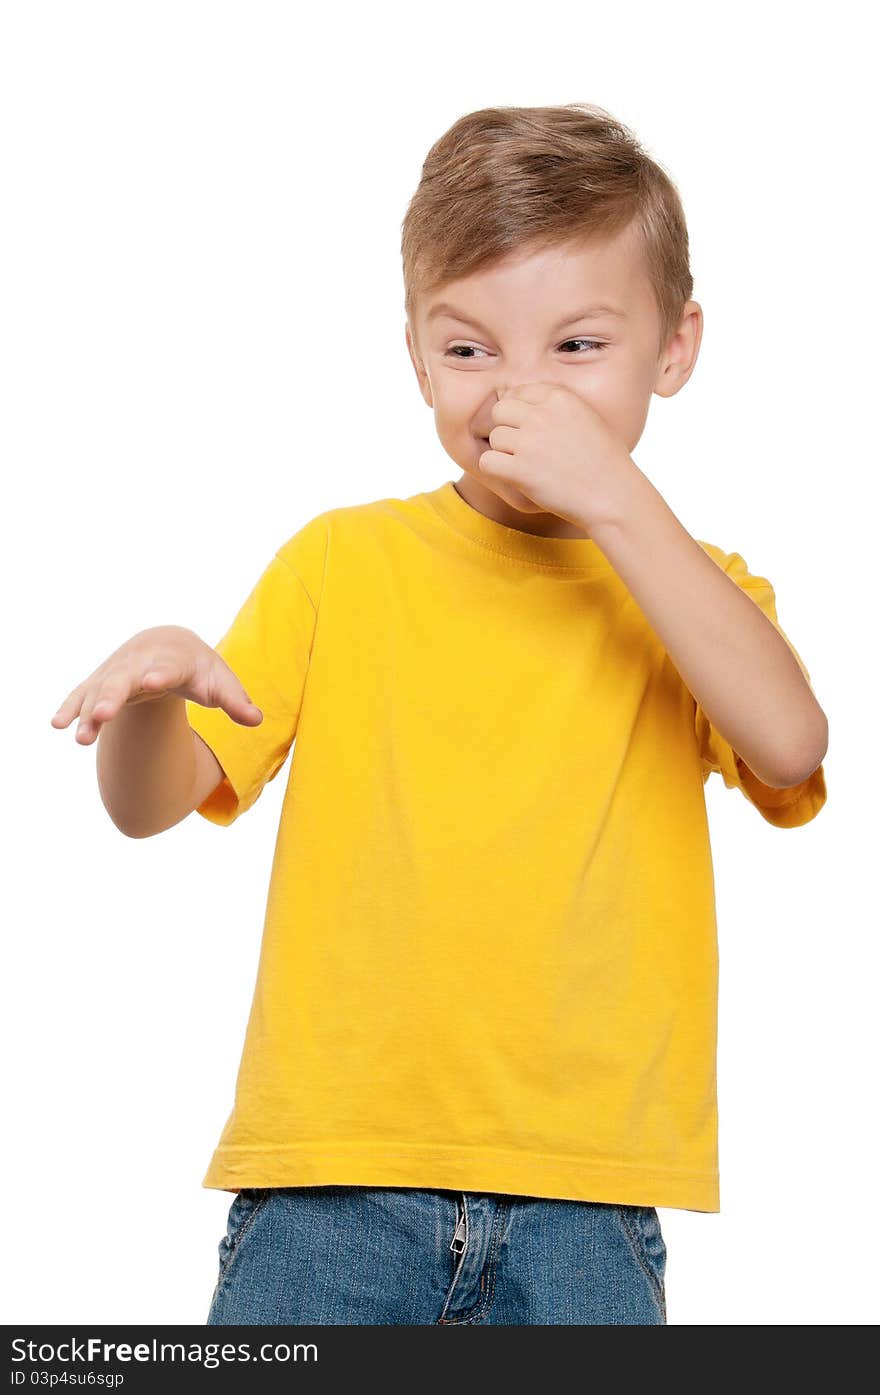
{"x":512,"y":324}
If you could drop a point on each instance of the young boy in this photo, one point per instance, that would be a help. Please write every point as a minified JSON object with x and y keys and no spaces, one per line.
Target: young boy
{"x":481,"y":1050}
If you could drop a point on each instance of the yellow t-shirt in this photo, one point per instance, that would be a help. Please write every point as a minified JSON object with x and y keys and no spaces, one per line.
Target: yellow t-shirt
{"x":489,"y":957}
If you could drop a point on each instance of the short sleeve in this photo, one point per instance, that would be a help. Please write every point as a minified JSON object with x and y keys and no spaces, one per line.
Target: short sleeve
{"x":267,"y":646}
{"x":785,"y":808}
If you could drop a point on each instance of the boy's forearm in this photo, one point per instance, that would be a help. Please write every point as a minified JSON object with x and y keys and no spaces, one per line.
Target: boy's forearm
{"x":146,"y":766}
{"x":735,"y":663}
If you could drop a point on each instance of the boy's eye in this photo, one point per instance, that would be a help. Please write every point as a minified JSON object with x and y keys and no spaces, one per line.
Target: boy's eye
{"x":594,"y":345}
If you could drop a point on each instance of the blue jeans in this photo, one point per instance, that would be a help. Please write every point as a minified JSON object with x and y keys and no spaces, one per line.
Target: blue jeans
{"x":349,"y":1255}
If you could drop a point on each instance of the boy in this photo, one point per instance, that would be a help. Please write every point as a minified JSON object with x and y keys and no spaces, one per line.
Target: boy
{"x":481,"y":1050}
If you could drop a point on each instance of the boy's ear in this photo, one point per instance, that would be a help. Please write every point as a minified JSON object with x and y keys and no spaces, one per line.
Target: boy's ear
{"x":680,"y":353}
{"x":418,"y":365}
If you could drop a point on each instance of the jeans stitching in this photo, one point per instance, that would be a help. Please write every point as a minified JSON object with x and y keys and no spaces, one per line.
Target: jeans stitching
{"x":240,"y":1233}
{"x":482,"y":1306}
{"x":636,"y":1244}
{"x":459,"y":1263}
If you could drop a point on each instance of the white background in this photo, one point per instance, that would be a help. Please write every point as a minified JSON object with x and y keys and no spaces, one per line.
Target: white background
{"x":202,"y":348}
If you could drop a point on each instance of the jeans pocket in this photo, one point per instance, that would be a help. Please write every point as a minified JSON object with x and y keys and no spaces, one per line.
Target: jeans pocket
{"x":642,"y":1226}
{"x":246,"y":1206}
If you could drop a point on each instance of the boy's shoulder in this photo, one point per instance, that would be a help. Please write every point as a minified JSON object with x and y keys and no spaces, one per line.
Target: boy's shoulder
{"x":344,"y":520}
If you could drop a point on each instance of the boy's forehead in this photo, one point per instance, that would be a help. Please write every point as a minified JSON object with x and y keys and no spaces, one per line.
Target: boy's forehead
{"x":607,"y":275}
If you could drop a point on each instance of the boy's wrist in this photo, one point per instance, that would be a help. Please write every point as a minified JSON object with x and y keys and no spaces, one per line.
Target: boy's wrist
{"x":626,"y":493}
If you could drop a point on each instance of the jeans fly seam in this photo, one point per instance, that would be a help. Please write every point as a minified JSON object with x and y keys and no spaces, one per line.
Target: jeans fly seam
{"x":459,"y":1266}
{"x":490,"y":1269}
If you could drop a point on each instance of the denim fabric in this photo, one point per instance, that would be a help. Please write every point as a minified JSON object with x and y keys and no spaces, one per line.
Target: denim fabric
{"x":353,"y":1255}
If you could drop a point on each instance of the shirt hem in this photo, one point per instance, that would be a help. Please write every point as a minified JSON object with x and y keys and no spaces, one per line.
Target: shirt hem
{"x":462,"y":1169}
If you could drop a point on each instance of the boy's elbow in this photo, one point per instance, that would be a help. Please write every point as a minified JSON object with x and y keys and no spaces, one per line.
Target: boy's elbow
{"x":810,"y":753}
{"x":130,"y":831}
{"x":132,"y":828}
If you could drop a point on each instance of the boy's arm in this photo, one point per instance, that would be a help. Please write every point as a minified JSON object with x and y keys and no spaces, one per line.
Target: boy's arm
{"x":209,"y":772}
{"x":737,"y":665}
{"x":153,"y":769}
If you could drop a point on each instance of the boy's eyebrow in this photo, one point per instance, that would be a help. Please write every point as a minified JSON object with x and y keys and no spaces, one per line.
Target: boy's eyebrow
{"x":589,"y":312}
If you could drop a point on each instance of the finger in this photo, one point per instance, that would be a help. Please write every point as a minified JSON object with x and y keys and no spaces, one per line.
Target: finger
{"x":110,"y":697}
{"x":87,"y":730}
{"x":510,"y":411}
{"x":504,"y":438}
{"x":506,"y":491}
{"x":68,"y":709}
{"x":531,"y":394}
{"x":238,"y":705}
{"x":497,"y":465}
{"x":521,"y":502}
{"x":100,"y":705}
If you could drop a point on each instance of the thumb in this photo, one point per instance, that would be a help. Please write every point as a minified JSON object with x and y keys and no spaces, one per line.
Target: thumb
{"x":240,"y":707}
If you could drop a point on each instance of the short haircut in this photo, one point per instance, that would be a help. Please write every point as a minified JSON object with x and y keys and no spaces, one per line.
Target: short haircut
{"x":523,"y":179}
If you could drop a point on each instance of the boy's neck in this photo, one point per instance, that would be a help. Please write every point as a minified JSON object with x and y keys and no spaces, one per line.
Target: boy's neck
{"x":487,"y":502}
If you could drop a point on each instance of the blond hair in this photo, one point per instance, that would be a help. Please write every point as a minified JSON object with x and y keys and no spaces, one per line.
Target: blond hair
{"x":505,"y":179}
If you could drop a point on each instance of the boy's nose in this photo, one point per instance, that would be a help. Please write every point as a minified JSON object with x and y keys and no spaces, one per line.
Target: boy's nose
{"x":518,"y":375}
